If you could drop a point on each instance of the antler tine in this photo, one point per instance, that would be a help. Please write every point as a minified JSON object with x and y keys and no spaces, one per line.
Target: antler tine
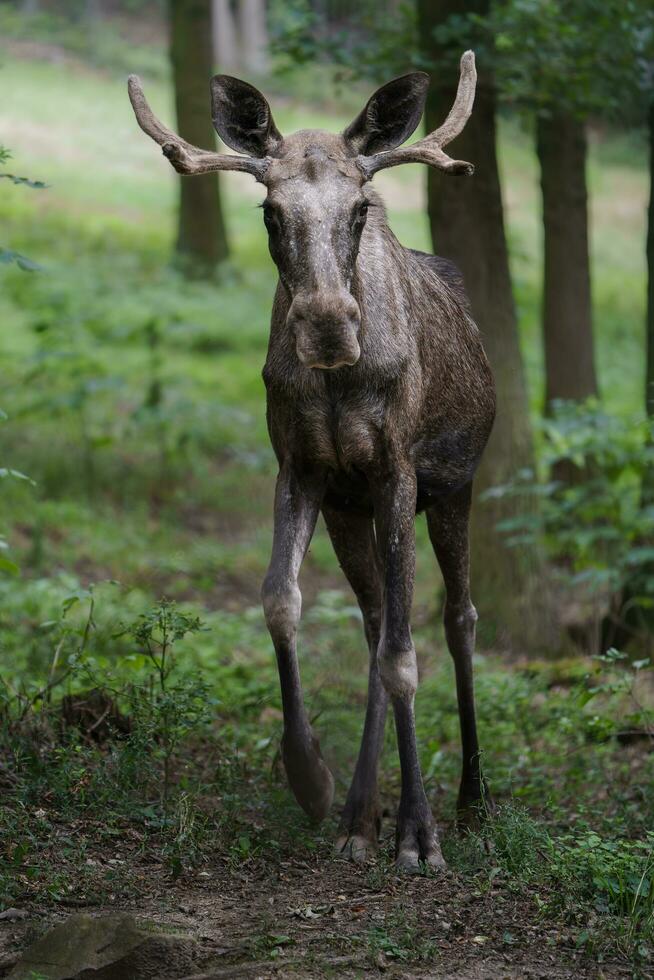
{"x":465,"y":97}
{"x":186,"y":158}
{"x":429,"y":149}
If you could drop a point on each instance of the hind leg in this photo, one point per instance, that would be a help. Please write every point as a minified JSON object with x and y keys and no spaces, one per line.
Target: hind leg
{"x":353,"y":539}
{"x":448,"y":530}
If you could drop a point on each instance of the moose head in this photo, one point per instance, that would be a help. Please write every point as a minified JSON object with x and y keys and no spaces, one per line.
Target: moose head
{"x":317,"y":201}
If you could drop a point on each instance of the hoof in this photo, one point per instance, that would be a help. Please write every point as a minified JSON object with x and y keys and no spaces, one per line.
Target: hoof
{"x":308,"y":776}
{"x":355,"y":848}
{"x":419,"y":849}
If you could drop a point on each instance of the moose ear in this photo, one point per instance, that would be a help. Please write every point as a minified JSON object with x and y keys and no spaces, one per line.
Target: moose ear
{"x":390,"y":116}
{"x":242,"y":117}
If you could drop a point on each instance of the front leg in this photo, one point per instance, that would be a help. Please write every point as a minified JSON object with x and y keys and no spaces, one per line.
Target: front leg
{"x":297,"y":501}
{"x":395,"y":509}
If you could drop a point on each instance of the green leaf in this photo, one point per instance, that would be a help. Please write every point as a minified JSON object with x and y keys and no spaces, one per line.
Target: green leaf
{"x":8,"y":566}
{"x":36,"y":184}
{"x":16,"y":474}
{"x":7,"y":256}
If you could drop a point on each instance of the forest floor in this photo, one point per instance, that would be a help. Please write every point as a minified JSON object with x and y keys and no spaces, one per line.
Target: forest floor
{"x":135,"y":405}
{"x":328,"y":919}
{"x":235,"y":865}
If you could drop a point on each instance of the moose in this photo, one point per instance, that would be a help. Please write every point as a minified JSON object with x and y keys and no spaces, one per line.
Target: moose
{"x":380,"y":401}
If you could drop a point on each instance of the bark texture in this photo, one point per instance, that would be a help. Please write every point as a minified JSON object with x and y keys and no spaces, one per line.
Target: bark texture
{"x":637,"y":618}
{"x":649,"y":382}
{"x":467,"y":225}
{"x":201,"y":238}
{"x":567,"y":312}
{"x":648,"y":482}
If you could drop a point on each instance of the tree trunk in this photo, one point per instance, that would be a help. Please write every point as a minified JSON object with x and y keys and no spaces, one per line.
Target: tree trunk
{"x":92,"y":10}
{"x":254,"y":35}
{"x":647,"y":615}
{"x":467,"y":225}
{"x":648,"y":482}
{"x":567,"y":312}
{"x":201,"y":239}
{"x":225,"y":43}
{"x":649,"y":380}
{"x":635,"y":619}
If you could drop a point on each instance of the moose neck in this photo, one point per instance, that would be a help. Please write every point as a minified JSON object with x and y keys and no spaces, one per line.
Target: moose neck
{"x":382,"y":287}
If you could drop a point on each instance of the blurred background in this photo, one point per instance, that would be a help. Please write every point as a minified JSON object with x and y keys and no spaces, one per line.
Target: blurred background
{"x":136,"y":464}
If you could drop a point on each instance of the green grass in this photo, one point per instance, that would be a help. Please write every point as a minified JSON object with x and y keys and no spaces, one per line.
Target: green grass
{"x":175,"y":500}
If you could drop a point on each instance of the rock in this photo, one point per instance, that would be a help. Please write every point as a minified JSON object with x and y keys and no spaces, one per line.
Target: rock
{"x":14,"y":915}
{"x":116,"y":946}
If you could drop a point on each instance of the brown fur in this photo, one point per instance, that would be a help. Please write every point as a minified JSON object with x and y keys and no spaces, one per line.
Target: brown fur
{"x":380,"y":402}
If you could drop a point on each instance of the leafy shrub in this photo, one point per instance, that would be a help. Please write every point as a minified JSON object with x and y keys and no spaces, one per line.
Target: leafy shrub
{"x":598,"y":526}
{"x":106,"y":47}
{"x":579,"y":869}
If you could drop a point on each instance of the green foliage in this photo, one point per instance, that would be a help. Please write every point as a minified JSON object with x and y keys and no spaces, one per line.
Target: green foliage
{"x":596,"y":526}
{"x":106,"y":44}
{"x":178,"y":708}
{"x":8,"y":256}
{"x":367,"y":42}
{"x":584,"y":57}
{"x":7,"y":566}
{"x":400,"y":940}
{"x":587,"y":57}
{"x":25,"y":181}
{"x":577,"y":871}
{"x":195,"y":778}
{"x":66,"y":766}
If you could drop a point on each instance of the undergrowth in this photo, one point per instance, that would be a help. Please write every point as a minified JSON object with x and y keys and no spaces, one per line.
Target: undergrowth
{"x":151,"y":737}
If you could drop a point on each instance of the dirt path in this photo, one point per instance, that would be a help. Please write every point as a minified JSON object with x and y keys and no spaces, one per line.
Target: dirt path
{"x":326,"y":918}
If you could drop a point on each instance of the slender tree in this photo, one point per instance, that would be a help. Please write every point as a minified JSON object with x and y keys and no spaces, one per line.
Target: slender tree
{"x":566,"y":61}
{"x":253,"y":35}
{"x":571,"y":61}
{"x":567,"y":320}
{"x":567,"y":317}
{"x":201,"y":237}
{"x":648,"y":482}
{"x":649,"y":376}
{"x":225,"y":44}
{"x":567,"y":311}
{"x":644,"y":41}
{"x":467,"y":224}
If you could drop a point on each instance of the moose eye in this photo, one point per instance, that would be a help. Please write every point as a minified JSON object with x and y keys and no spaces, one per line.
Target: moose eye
{"x":362,"y":212}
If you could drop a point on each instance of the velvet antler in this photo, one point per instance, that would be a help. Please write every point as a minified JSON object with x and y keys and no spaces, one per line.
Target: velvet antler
{"x":186,"y":158}
{"x":429,"y":149}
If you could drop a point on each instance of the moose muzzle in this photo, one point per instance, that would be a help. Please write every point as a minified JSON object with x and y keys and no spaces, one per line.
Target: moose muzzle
{"x":326,"y":328}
